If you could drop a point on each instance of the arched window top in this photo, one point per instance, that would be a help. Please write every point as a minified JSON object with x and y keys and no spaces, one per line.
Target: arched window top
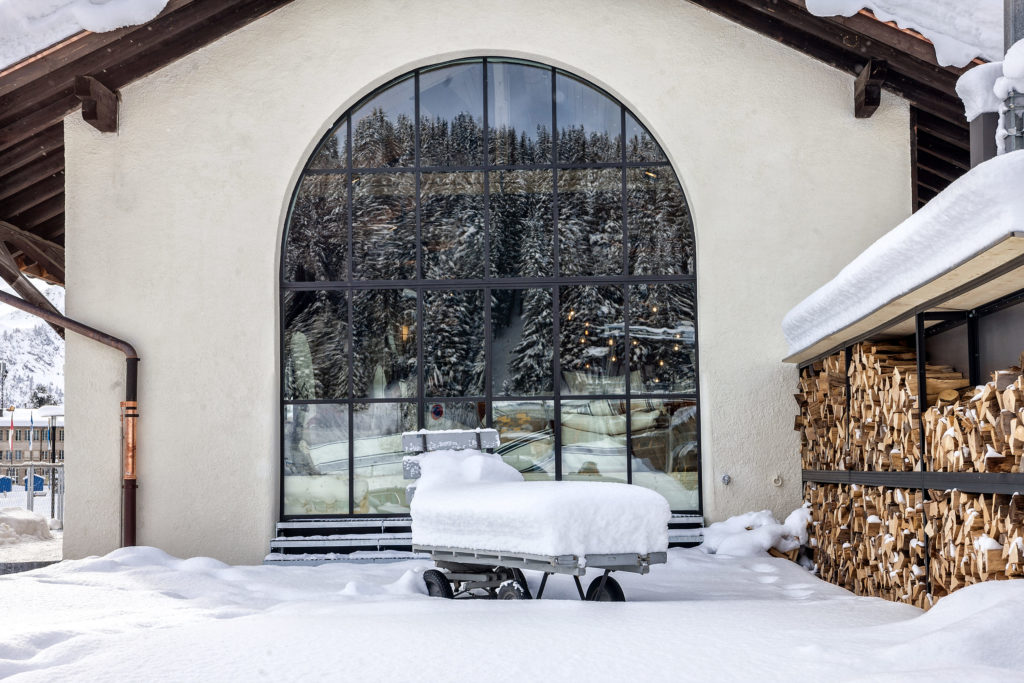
{"x":487,"y":242}
{"x":471,"y":123}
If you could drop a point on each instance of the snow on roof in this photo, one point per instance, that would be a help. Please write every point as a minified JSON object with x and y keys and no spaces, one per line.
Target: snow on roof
{"x":29,"y":26}
{"x":39,"y":417}
{"x":959,"y":30}
{"x":984,"y":87}
{"x":977,"y":210}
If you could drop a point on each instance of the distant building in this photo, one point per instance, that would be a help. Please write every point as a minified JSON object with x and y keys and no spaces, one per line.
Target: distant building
{"x":34,"y":440}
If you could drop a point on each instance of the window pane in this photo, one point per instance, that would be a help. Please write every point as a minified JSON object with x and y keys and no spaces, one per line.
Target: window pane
{"x":521,"y":223}
{"x":665,"y":450}
{"x":384,"y":343}
{"x":522,"y":342}
{"x":662,"y":337}
{"x":640,"y":145}
{"x":316,"y":459}
{"x":660,"y":227}
{"x":452,"y":115}
{"x":453,"y":343}
{"x":315,"y":345}
{"x":317,"y":245}
{"x":527,"y":433}
{"x":452,"y":224}
{"x":589,"y":124}
{"x":379,"y":485}
{"x":454,"y":415}
{"x":333,"y":152}
{"x":518,"y":113}
{"x":594,"y":440}
{"x":384,"y":226}
{"x":592,"y":345}
{"x":382,"y":129}
{"x":590,"y":221}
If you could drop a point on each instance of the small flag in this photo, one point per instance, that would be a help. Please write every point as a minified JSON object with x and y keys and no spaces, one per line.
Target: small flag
{"x":31,"y":432}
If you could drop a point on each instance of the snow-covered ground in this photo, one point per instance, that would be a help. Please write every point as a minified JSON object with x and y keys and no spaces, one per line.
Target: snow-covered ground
{"x":27,"y":547}
{"x":139,"y":614}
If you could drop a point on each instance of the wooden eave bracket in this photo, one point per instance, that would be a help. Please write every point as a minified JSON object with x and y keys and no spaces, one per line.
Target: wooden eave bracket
{"x":99,"y":103}
{"x":867,"y":89}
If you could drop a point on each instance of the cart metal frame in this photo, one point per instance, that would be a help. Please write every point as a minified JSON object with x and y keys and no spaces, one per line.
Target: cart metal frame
{"x":488,"y":570}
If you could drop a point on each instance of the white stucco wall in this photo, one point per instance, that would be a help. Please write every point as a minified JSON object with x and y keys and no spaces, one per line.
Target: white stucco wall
{"x":174,"y":225}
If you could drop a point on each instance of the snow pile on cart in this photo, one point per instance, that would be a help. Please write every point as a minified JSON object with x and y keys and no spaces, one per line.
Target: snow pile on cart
{"x":470,"y":499}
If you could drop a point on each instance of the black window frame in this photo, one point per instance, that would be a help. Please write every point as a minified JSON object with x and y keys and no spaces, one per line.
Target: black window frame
{"x":488,"y":282}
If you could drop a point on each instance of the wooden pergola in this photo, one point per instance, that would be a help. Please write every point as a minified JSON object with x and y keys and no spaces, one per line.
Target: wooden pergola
{"x":87,"y":71}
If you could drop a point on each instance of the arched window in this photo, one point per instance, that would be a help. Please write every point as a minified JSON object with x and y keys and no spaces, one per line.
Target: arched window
{"x":488,"y":242}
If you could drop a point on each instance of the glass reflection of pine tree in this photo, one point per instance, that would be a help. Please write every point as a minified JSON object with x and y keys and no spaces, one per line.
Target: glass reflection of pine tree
{"x":660,"y":227}
{"x":317,"y":243}
{"x":384,"y":339}
{"x":452,"y":342}
{"x":316,"y":345}
{"x":379,"y":142}
{"x":530,"y":364}
{"x":662,"y":336}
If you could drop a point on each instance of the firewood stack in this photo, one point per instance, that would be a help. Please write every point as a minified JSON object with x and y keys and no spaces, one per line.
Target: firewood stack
{"x":890,"y":555}
{"x":978,"y":430}
{"x":830,"y":535}
{"x":974,"y":537}
{"x":822,"y":418}
{"x":883,"y":405}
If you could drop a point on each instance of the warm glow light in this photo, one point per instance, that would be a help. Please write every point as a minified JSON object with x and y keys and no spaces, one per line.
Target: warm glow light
{"x":661,"y":362}
{"x":676,"y":347}
{"x":611,"y":342}
{"x":613,"y":359}
{"x":651,"y":174}
{"x":405,"y":333}
{"x":654,"y":309}
{"x":571,"y":314}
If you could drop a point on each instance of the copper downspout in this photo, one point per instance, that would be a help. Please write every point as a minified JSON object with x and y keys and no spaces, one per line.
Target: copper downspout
{"x":129,"y":407}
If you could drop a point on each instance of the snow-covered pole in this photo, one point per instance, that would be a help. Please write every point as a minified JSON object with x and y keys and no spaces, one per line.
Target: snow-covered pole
{"x":1013,"y":105}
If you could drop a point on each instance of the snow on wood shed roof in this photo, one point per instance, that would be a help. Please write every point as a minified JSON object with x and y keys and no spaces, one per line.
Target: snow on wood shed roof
{"x":964,"y":249}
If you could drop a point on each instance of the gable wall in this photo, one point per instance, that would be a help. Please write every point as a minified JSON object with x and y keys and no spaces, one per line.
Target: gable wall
{"x":174,"y":232}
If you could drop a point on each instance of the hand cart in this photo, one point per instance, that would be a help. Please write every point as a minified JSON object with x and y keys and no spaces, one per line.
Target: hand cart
{"x":467,"y":573}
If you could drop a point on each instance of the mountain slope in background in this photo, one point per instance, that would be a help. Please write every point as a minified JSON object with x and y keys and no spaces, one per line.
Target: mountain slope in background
{"x":33,"y":352}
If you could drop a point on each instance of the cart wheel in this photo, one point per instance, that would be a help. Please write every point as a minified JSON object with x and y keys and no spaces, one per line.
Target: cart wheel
{"x":513,"y":590}
{"x":612,"y":591}
{"x":437,"y":584}
{"x":520,"y":579}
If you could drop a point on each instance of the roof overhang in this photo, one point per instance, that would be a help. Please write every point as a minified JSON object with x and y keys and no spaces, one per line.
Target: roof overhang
{"x":992,"y":273}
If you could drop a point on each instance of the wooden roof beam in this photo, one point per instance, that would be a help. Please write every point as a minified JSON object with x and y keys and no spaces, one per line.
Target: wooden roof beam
{"x":232,"y":17}
{"x":28,"y":175}
{"x":45,"y":142}
{"x":40,"y":213}
{"x":39,"y":120}
{"x":47,"y":65}
{"x":52,"y":230}
{"x":943,"y":130}
{"x":867,"y":88}
{"x":99,"y":104}
{"x":46,"y":254}
{"x":867,"y":24}
{"x":26,"y":199}
{"x":129,"y":45}
{"x":12,"y":275}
